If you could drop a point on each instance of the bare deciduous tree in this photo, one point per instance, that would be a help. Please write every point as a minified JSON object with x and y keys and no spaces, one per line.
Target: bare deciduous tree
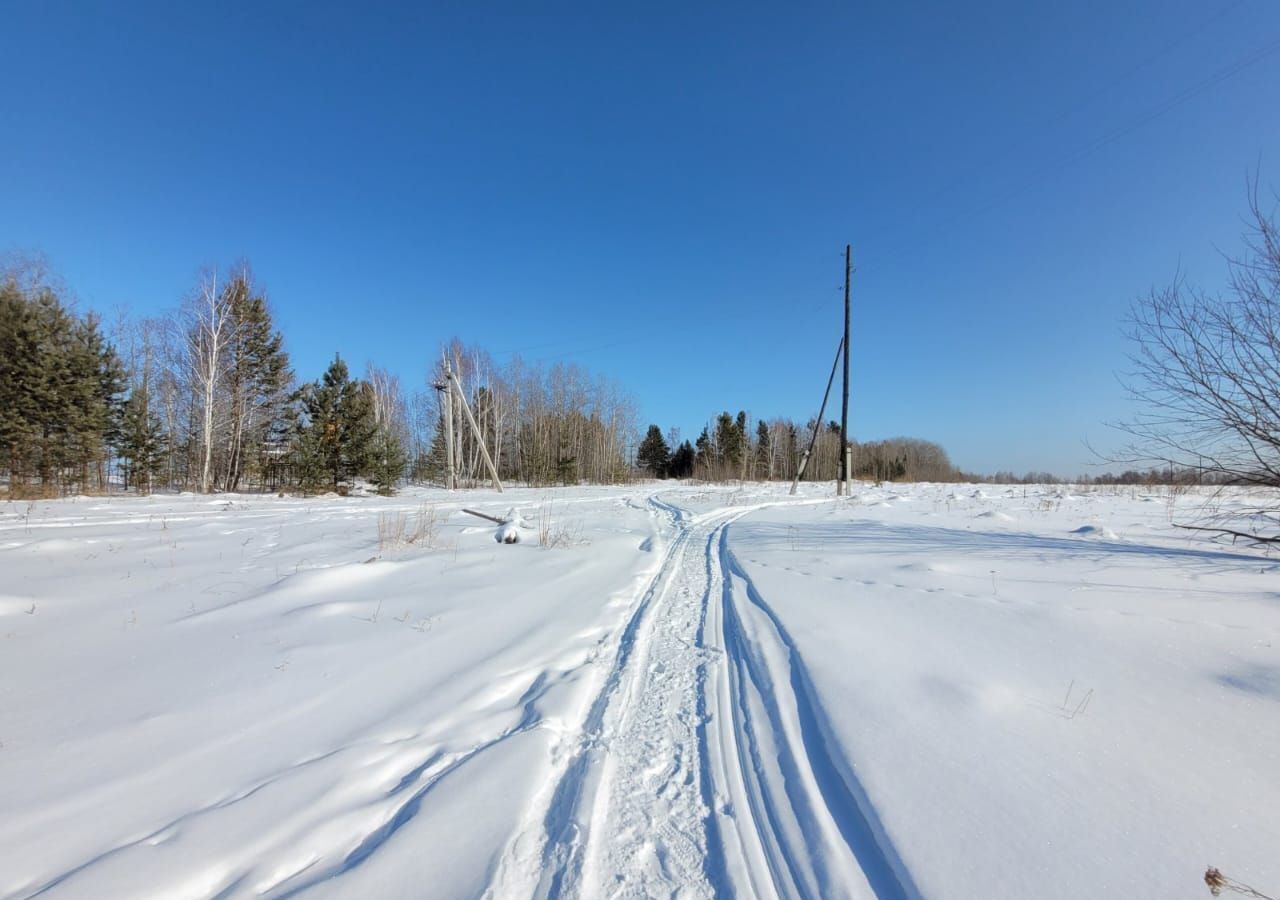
{"x":540,"y":426}
{"x":1206,"y":374}
{"x":206,"y":322}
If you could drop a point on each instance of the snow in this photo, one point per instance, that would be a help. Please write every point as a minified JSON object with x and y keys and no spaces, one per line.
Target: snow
{"x":918,"y":691}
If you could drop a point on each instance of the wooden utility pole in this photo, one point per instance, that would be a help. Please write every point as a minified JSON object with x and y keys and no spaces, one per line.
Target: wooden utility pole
{"x":450,"y":455}
{"x":451,"y":479}
{"x":843,"y":487}
{"x":475,"y":429}
{"x":446,"y":416}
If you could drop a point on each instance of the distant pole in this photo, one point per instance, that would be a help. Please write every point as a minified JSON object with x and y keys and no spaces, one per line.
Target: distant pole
{"x":843,"y":486}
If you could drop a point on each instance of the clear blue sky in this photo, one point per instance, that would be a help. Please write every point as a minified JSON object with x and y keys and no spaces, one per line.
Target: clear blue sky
{"x":663,"y":194}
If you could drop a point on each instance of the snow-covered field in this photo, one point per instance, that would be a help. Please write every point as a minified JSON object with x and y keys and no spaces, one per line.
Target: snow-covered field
{"x":922,"y":691}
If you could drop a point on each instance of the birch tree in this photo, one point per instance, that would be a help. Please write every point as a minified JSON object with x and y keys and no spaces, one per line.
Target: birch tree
{"x":207,"y":323}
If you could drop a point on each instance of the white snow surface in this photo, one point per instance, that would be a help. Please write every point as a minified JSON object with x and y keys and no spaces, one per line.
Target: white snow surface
{"x":919,"y":691}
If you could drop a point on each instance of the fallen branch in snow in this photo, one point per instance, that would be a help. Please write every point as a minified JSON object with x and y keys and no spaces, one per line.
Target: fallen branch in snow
{"x":1257,"y":540}
{"x":508,"y":528}
{"x":495,"y":519}
{"x":1218,"y":882}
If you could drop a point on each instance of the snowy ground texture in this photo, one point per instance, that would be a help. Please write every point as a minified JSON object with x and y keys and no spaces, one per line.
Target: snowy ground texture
{"x":925,"y":691}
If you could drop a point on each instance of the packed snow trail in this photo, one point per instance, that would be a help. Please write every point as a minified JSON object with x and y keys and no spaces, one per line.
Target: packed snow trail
{"x":558,"y":851}
{"x":702,"y":769}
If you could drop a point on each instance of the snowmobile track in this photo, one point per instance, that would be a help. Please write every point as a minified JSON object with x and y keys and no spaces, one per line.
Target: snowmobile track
{"x":704,"y":765}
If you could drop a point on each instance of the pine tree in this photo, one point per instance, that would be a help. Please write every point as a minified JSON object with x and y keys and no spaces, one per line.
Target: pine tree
{"x":653,"y":453}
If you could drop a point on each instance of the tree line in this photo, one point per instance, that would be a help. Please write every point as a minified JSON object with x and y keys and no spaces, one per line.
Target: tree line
{"x":206,"y":399}
{"x":733,"y":448}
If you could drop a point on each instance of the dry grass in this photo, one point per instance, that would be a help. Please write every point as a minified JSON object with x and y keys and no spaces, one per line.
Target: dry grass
{"x":400,"y":529}
{"x":554,"y":533}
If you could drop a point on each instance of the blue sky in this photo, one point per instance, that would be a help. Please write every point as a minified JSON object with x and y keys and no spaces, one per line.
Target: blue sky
{"x":663,"y":194}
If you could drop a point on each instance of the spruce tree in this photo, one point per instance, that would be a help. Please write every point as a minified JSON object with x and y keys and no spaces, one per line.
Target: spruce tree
{"x":764,"y":455}
{"x":434,"y":464}
{"x":97,"y":382}
{"x":258,"y":378}
{"x":54,"y":389}
{"x":730,"y":439}
{"x":60,"y":386}
{"x":335,"y":443}
{"x":19,"y":372}
{"x":743,"y":441}
{"x":142,"y":442}
{"x":705,"y":457}
{"x":387,"y":462}
{"x":653,"y":453}
{"x":681,"y":465}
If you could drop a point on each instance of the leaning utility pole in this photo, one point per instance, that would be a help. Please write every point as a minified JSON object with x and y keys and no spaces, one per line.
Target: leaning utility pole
{"x":817,"y":423}
{"x":475,"y":429}
{"x":843,"y":487}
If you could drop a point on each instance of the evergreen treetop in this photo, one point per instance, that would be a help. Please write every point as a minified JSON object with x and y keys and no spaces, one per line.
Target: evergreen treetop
{"x":653,"y":454}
